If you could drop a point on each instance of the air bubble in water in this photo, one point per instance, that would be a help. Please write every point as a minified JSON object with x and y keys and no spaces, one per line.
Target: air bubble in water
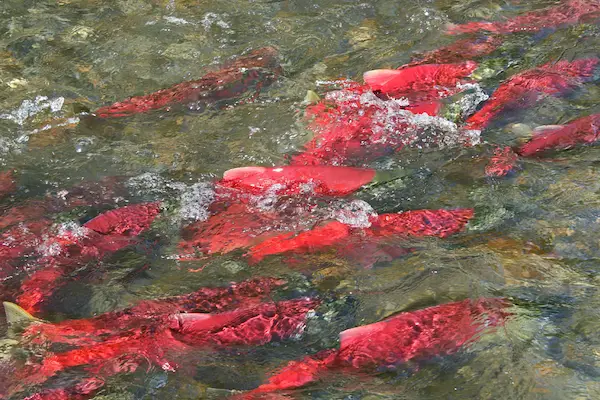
{"x":83,"y":144}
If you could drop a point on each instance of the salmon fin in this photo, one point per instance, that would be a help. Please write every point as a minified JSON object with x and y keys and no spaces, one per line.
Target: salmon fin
{"x":16,"y":315}
{"x":311,"y":97}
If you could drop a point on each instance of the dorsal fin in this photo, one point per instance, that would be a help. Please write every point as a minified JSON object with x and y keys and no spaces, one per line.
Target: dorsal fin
{"x":311,"y":97}
{"x":16,"y":315}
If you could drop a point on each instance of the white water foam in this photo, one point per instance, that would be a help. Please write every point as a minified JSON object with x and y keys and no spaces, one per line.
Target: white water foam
{"x":355,"y":213}
{"x":195,"y":201}
{"x":29,"y":108}
{"x":211,"y":19}
{"x":391,"y":124}
{"x":469,"y":102}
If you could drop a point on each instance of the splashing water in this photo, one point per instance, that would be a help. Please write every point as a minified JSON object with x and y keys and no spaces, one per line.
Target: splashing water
{"x":30,"y":108}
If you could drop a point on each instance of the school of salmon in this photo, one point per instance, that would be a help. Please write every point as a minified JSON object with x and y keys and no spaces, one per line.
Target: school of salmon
{"x":353,"y":124}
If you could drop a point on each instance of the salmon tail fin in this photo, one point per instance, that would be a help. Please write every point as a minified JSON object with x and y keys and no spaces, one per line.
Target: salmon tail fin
{"x":311,"y":97}
{"x":16,"y":315}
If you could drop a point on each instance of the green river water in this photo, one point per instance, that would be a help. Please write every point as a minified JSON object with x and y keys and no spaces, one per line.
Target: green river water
{"x":535,"y":238}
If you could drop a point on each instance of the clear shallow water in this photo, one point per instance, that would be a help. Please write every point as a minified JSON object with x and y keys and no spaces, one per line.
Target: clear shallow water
{"x":534,"y":238}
